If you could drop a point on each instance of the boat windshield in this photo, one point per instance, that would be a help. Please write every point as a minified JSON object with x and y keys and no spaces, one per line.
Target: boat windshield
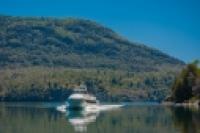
{"x":82,"y":89}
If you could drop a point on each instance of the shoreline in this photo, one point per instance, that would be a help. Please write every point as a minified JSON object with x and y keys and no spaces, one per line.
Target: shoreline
{"x":195,"y":104}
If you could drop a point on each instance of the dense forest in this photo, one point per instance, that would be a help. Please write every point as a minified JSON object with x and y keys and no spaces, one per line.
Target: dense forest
{"x":42,"y":59}
{"x":51,"y":84}
{"x":187,"y":84}
{"x":74,"y":43}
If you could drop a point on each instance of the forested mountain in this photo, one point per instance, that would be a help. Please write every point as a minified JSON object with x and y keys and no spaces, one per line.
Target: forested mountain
{"x":42,"y":59}
{"x":74,"y":43}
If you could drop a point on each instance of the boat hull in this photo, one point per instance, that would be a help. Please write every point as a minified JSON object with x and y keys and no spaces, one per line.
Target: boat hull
{"x":76,"y":104}
{"x":79,"y":101}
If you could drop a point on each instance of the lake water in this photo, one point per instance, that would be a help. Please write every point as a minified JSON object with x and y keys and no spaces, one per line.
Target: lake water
{"x":132,"y":118}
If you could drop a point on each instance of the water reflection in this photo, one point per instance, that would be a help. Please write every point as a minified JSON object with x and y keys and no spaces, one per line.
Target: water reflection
{"x":186,"y":119}
{"x":41,"y":118}
{"x":81,"y":119}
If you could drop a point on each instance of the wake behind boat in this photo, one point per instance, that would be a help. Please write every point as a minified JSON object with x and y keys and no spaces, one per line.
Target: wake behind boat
{"x":81,"y":99}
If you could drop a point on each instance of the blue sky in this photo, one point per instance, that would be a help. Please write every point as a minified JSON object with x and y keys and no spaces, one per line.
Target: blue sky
{"x":172,"y":26}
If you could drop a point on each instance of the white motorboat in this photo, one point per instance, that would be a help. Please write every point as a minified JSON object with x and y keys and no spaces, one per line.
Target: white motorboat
{"x":81,"y":99}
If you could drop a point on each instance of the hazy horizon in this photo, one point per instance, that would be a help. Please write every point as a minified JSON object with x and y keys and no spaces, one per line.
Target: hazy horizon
{"x":172,"y":26}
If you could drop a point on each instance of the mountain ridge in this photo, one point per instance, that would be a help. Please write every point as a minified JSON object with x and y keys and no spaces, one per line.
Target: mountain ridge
{"x":78,"y":43}
{"x":42,"y":59}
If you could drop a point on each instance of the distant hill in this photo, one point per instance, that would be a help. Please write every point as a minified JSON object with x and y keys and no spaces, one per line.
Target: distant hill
{"x":74,"y":43}
{"x":42,"y":59}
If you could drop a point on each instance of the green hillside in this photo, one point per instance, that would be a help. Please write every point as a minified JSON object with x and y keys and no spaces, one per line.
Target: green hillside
{"x":41,"y":59}
{"x":73,"y":43}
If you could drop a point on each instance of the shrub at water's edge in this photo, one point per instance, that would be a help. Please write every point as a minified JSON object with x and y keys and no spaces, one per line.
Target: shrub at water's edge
{"x":186,"y":86}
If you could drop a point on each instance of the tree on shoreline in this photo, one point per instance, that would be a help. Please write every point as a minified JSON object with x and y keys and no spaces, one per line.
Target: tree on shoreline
{"x":187,"y":84}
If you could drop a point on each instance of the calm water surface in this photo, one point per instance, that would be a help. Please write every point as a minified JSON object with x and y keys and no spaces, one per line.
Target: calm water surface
{"x":132,"y":118}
